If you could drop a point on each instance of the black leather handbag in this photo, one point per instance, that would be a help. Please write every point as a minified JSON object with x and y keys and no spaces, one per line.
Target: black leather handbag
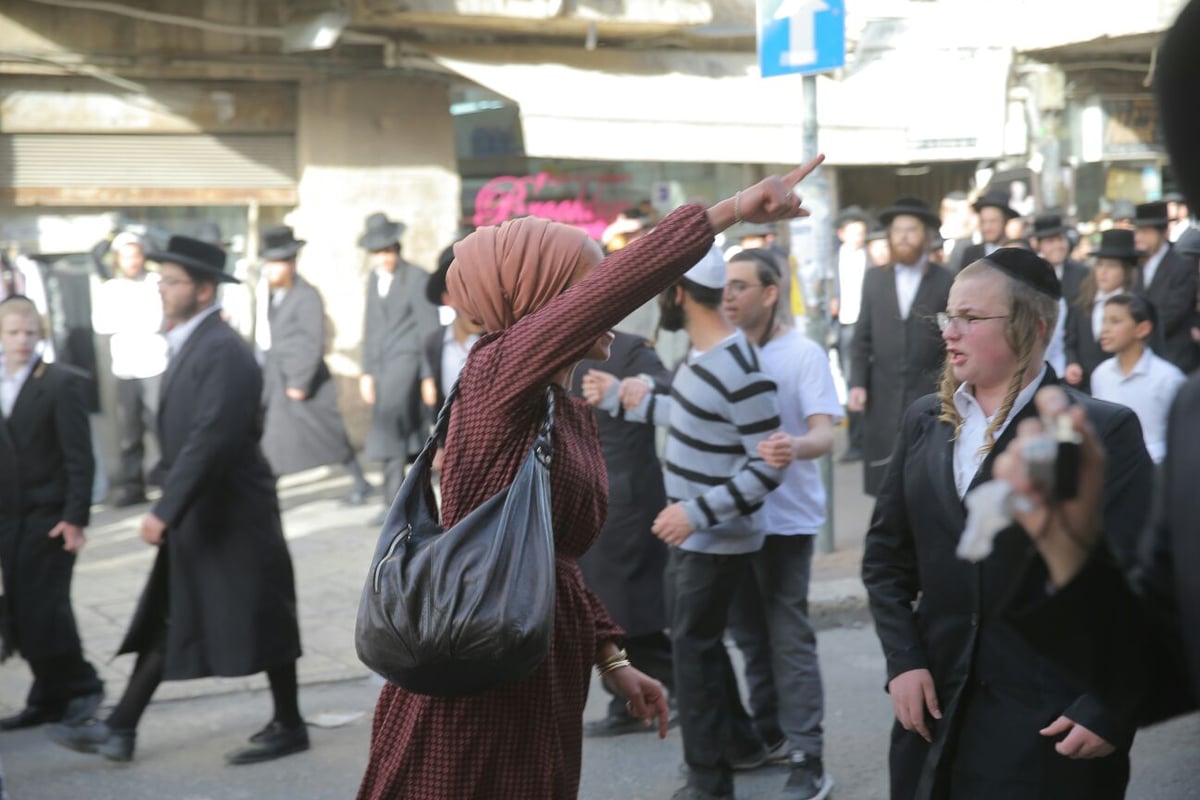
{"x":457,"y":612}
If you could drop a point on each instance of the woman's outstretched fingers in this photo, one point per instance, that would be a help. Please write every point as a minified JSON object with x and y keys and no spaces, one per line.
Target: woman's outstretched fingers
{"x":803,"y":171}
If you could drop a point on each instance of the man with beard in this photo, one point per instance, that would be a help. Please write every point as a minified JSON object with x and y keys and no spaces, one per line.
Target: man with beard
{"x":720,"y":407}
{"x":897,"y":351}
{"x":994,"y":214}
{"x":220,"y":600}
{"x":1168,"y":279}
{"x":303,"y":427}
{"x":397,"y":321}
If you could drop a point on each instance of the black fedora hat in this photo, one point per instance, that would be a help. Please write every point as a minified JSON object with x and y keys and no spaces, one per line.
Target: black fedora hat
{"x":1118,"y":243}
{"x":381,"y":232}
{"x":1047,"y":225}
{"x":995,"y":198}
{"x":1152,"y":215}
{"x":913,"y":207}
{"x":200,"y":259}
{"x":435,"y":287}
{"x":279,"y":243}
{"x":852,"y":214}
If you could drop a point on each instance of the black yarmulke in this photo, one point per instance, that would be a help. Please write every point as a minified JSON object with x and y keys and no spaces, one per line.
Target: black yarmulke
{"x":1027,"y":267}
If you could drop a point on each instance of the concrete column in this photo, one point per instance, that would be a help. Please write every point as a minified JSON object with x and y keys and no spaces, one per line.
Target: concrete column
{"x":366,"y":145}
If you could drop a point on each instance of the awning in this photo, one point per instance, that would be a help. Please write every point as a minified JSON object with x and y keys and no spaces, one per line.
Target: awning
{"x":623,"y":106}
{"x":900,"y":107}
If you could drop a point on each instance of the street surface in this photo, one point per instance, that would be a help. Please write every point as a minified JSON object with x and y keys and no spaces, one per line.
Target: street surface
{"x":191,"y":724}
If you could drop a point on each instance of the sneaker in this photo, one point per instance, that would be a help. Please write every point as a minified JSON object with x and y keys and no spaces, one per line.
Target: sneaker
{"x":779,"y":753}
{"x":808,"y":780}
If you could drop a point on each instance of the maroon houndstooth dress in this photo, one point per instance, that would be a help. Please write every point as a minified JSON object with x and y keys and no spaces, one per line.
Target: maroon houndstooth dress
{"x":523,"y":741}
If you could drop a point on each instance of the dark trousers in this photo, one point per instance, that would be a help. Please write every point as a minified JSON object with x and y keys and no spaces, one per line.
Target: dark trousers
{"x":769,"y":622}
{"x":59,"y":679}
{"x":650,"y":653}
{"x":700,"y":589}
{"x":137,"y":403}
{"x":853,"y":418}
{"x":393,"y":477}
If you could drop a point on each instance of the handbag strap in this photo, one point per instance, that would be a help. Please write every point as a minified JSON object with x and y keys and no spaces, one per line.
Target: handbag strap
{"x":542,"y":445}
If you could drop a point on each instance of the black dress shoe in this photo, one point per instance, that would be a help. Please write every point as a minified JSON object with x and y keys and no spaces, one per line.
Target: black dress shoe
{"x":29,"y":717}
{"x":274,"y":741}
{"x":95,"y":737}
{"x":80,"y":709}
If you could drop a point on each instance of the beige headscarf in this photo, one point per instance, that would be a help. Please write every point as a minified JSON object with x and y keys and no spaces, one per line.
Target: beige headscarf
{"x":500,"y":274}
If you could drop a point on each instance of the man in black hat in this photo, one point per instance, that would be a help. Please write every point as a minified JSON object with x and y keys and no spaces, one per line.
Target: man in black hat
{"x":1114,"y":273}
{"x":1051,"y":243}
{"x":851,"y":228}
{"x":896,"y":351}
{"x":446,"y":348}
{"x":994,"y":214}
{"x":220,"y":599}
{"x":397,"y":321}
{"x":1122,"y":214}
{"x":303,"y":427}
{"x":980,"y":713}
{"x":1168,"y":279}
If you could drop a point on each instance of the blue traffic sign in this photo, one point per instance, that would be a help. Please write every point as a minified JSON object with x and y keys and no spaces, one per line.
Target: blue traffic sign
{"x":801,"y":36}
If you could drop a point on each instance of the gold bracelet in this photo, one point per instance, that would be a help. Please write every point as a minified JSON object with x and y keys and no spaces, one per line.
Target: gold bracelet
{"x":613,"y":666}
{"x":737,"y":207}
{"x":620,"y":655}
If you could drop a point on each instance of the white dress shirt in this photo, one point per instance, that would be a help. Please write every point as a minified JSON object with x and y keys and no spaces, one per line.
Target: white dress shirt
{"x":968,"y":452}
{"x":1148,"y":390}
{"x":177,"y":337}
{"x":454,"y":356}
{"x":852,"y":267}
{"x":130,"y":310}
{"x":908,"y":280}
{"x":1098,"y":311}
{"x":1152,"y":263}
{"x":384,"y":282}
{"x":10,"y":385}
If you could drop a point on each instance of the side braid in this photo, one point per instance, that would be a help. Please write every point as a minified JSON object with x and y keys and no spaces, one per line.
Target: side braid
{"x":946,"y":390}
{"x":1014,"y":389}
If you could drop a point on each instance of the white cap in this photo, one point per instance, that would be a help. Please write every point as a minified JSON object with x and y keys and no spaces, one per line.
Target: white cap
{"x":709,"y":271}
{"x":124,"y":238}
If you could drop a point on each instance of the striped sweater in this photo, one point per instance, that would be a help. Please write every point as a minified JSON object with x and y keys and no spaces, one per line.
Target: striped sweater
{"x":720,"y":407}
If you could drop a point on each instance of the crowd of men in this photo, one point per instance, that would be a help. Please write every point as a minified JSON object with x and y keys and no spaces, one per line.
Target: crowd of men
{"x":950,"y":322}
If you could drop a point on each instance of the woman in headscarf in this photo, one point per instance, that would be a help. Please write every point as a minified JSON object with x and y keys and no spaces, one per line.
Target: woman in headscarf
{"x":546,"y":300}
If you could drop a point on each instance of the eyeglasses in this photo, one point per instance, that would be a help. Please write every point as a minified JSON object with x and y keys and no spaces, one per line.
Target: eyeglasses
{"x":172,"y":282}
{"x":961,"y":322}
{"x":734,"y":288}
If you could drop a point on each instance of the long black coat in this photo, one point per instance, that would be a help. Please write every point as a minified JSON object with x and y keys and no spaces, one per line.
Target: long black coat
{"x":300,"y":434}
{"x":1173,"y":293}
{"x":1072,"y":279}
{"x":994,"y":690}
{"x":896,"y":360}
{"x":46,"y":470}
{"x":223,"y":574}
{"x":1080,"y":344}
{"x":625,"y":566}
{"x":395,"y":328}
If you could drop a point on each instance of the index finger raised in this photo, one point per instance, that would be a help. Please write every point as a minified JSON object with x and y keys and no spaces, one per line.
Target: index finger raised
{"x":801,"y":172}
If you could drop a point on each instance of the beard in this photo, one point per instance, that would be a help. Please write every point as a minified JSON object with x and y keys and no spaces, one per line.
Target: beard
{"x":903,"y":253}
{"x":671,"y":316}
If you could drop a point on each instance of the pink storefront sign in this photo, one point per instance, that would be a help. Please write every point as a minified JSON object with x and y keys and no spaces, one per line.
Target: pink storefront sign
{"x":581,"y":200}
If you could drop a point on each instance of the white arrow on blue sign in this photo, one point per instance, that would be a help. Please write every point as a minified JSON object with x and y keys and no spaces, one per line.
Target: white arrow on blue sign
{"x":801,"y":36}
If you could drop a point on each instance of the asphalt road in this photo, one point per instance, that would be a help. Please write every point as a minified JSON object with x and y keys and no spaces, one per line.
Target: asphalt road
{"x":181,"y":743}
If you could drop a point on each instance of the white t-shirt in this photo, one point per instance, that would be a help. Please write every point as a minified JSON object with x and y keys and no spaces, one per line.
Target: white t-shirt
{"x":131,"y":310}
{"x":852,"y":268}
{"x":800,"y":368}
{"x":1148,"y":390}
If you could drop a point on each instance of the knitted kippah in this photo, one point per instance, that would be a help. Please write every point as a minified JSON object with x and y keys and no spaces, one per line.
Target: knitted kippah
{"x":1027,"y":267}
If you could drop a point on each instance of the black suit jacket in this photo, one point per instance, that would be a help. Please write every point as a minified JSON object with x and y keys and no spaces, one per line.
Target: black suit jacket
{"x":1073,"y":275}
{"x":46,"y":462}
{"x":896,"y":360}
{"x":957,"y":629}
{"x":1173,"y":293}
{"x":46,"y":470}
{"x":1080,"y":344}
